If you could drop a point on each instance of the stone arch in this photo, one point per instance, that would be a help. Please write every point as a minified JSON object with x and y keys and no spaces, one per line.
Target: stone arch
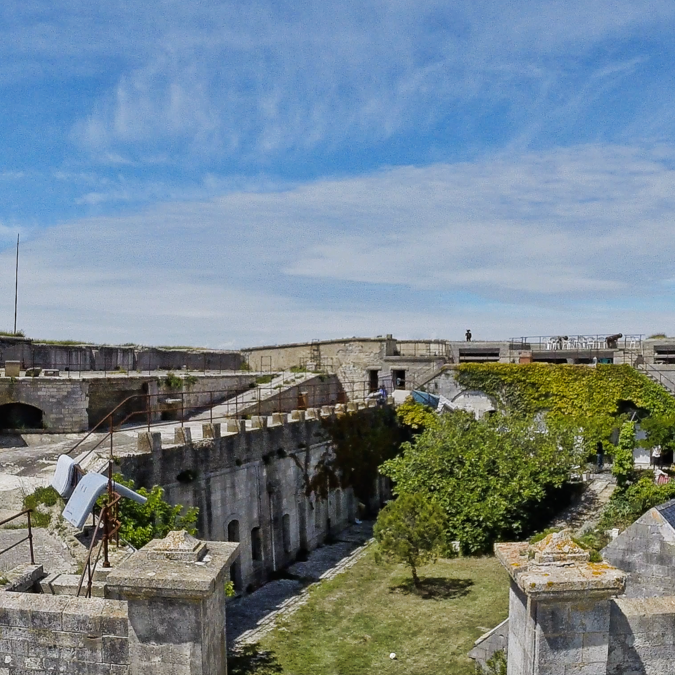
{"x":477,"y":402}
{"x":19,"y":415}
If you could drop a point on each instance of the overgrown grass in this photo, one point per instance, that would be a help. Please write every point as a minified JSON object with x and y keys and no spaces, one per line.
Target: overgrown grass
{"x":264,"y":379}
{"x":352,"y":623}
{"x":9,"y":333}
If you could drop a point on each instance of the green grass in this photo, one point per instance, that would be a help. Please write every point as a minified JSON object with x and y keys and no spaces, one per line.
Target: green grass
{"x":352,"y":623}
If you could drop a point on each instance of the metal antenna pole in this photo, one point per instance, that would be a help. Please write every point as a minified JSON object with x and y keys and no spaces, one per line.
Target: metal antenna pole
{"x":16,"y":282}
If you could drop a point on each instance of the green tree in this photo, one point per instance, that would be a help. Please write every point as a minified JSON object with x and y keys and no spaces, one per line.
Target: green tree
{"x":623,"y":467}
{"x":410,"y":530}
{"x":491,"y":477}
{"x":153,"y":520}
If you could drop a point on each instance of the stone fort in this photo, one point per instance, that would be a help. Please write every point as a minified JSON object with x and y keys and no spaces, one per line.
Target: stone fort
{"x":235,"y":433}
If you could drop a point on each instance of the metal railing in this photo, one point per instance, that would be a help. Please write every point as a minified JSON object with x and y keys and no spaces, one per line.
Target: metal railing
{"x":109,"y":526}
{"x":29,"y":538}
{"x":598,"y":342}
{"x":182,"y":408}
{"x":423,"y":348}
{"x":657,"y":375}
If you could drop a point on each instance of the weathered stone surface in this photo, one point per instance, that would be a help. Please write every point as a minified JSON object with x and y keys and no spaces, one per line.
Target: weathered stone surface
{"x":545,"y":579}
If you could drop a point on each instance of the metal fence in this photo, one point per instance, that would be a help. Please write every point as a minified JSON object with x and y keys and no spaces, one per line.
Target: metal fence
{"x":590,"y":343}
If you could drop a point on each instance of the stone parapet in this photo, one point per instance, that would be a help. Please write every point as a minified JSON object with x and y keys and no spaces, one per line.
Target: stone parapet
{"x":174,"y":589}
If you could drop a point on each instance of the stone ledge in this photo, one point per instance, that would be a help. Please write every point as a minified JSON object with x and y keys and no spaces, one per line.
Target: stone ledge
{"x":550,"y":580}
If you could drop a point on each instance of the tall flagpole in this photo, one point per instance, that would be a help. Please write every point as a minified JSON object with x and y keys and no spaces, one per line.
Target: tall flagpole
{"x":16,"y":282}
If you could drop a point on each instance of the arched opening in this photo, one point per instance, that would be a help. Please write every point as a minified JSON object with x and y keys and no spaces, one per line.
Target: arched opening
{"x":20,"y":416}
{"x":235,"y":570}
{"x":256,"y":544}
{"x":286,"y":526}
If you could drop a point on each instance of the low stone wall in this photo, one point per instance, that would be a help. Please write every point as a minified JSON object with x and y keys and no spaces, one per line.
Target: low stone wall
{"x":163,"y":614}
{"x":61,"y":634}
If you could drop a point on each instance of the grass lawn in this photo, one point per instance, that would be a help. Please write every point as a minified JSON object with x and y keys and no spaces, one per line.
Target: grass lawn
{"x":353,"y":622}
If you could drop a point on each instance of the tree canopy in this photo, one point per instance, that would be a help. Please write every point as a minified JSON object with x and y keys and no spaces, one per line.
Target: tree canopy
{"x":490,"y":476}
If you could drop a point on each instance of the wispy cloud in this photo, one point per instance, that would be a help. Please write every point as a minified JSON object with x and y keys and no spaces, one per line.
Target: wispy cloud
{"x":574,"y":239}
{"x":260,"y":79}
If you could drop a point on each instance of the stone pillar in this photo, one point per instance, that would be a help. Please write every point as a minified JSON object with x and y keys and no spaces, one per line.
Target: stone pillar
{"x":175,"y":590}
{"x":559,"y":607}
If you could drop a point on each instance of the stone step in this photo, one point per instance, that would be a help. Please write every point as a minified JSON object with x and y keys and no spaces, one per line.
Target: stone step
{"x":66,"y":584}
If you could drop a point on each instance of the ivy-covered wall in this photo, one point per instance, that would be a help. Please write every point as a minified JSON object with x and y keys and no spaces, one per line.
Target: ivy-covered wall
{"x":565,"y":390}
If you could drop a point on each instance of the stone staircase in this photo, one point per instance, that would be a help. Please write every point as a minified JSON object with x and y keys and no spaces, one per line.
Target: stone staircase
{"x":663,"y":376}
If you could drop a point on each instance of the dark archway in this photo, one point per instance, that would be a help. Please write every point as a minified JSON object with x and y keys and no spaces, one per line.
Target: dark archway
{"x":20,"y":416}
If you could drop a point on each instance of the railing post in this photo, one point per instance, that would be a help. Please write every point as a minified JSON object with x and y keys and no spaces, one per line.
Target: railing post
{"x":30,"y":540}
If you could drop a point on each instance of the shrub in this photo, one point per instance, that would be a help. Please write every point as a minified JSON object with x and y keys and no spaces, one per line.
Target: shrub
{"x":623,"y":455}
{"x":153,"y":520}
{"x":173,"y":381}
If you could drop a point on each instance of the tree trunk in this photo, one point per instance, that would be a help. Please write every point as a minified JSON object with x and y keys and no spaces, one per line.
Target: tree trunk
{"x":416,"y":579}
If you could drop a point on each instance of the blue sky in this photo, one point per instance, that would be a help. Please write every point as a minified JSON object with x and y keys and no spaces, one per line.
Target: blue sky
{"x":230,"y":174}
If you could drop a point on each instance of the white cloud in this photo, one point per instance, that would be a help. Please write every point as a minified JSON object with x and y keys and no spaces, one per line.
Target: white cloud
{"x":576,"y":240}
{"x":254,"y":80}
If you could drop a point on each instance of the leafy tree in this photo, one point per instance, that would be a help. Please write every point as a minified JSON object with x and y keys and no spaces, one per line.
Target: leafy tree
{"x":416,"y":416}
{"x":623,"y":455}
{"x":153,"y":520}
{"x":660,"y":430}
{"x":491,"y":477}
{"x":410,"y":530}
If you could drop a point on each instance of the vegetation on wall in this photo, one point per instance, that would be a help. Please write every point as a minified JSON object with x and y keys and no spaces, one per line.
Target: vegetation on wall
{"x":566,"y":390}
{"x":495,"y":478}
{"x":592,"y":399}
{"x":360,"y":443}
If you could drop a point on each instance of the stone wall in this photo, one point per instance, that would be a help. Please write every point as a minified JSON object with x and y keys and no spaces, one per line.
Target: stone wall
{"x":62,"y":634}
{"x":251,"y":485}
{"x":77,"y":358}
{"x":62,"y":402}
{"x":646,"y":551}
{"x":107,"y":393}
{"x":642,"y":636}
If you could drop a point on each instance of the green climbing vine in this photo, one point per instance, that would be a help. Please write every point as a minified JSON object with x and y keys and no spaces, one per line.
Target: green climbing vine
{"x":566,"y":390}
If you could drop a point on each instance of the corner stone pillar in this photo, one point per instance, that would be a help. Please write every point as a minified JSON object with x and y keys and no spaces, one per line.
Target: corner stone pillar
{"x":559,"y":607}
{"x":175,"y":592}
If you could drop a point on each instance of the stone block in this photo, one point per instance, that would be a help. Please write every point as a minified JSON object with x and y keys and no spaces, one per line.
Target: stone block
{"x":327,"y":410}
{"x":149,"y":441}
{"x":258,"y":422}
{"x":12,"y":368}
{"x":182,"y":436}
{"x":211,"y":430}
{"x":278,"y":419}
{"x":297,"y":416}
{"x":234,"y":426}
{"x":311,"y":414}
